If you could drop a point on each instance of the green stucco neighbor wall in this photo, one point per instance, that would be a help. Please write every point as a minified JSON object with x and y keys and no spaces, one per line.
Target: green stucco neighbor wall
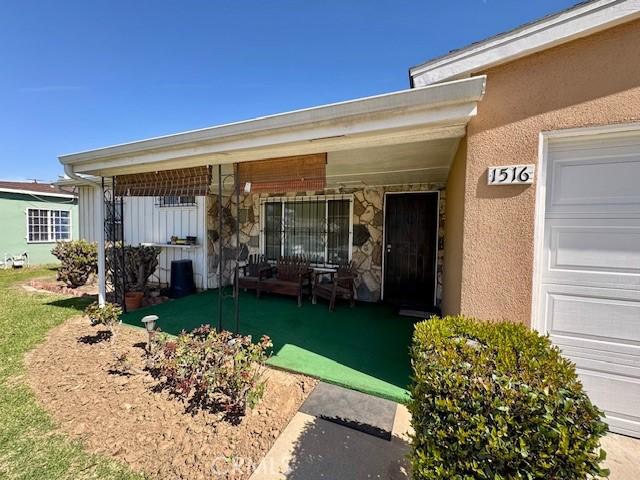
{"x":13,"y":224}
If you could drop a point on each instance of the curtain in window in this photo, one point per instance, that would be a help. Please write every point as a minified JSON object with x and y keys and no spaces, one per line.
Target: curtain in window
{"x":273,"y":230}
{"x":304,"y":229}
{"x":338,"y":231}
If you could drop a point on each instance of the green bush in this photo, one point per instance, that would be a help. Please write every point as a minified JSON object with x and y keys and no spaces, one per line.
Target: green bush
{"x":497,"y":401}
{"x":107,"y":315}
{"x":212,"y":370}
{"x":78,"y":260}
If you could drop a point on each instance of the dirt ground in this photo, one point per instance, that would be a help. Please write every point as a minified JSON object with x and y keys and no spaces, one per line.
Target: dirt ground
{"x":50,"y":285}
{"x":119,"y":415}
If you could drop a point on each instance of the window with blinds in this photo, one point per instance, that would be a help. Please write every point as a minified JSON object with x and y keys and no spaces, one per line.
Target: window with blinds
{"x":318,"y":228}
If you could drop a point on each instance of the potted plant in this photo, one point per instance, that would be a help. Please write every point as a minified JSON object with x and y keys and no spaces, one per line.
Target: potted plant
{"x":133,"y":300}
{"x":139,"y":264}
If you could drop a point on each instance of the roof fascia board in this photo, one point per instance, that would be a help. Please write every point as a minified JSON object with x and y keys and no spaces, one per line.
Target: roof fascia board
{"x":569,"y":25}
{"x":160,"y":161}
{"x":360,"y":114}
{"x":326,"y":138}
{"x":37,"y":194}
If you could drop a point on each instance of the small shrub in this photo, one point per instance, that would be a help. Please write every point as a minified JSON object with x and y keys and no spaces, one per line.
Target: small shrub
{"x":213,"y":370}
{"x":498,"y":401}
{"x":78,"y":260}
{"x":107,"y":315}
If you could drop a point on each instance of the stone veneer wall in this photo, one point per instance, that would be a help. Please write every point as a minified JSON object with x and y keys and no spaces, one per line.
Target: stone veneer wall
{"x":368,"y":219}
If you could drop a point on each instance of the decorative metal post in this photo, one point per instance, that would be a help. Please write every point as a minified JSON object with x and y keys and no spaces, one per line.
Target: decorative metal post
{"x":236,"y":288}
{"x":114,"y":241}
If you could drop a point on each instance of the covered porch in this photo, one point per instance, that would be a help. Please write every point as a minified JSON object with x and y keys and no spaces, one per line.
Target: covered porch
{"x":365,"y":348}
{"x":362,"y":181}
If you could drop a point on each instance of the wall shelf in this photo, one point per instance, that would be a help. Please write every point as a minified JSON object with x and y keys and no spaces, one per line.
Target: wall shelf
{"x":168,"y":245}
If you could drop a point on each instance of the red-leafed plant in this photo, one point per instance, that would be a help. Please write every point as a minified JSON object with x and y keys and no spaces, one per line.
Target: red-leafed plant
{"x":213,"y":370}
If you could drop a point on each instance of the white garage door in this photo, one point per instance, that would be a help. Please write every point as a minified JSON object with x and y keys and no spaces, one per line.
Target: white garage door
{"x":589,"y":271}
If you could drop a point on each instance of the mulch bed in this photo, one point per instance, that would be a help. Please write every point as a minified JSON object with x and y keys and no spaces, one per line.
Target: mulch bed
{"x":54,"y":286}
{"x":119,"y":415}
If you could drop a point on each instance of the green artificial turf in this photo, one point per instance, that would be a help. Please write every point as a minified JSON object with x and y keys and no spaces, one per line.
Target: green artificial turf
{"x":30,"y":447}
{"x":365,"y":348}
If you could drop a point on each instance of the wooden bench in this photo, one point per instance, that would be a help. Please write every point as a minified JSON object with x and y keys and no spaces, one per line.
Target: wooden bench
{"x":291,"y":276}
{"x":340,"y":286}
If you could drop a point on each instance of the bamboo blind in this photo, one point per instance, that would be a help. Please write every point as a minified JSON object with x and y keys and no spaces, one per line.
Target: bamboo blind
{"x":300,"y":173}
{"x":180,"y":182}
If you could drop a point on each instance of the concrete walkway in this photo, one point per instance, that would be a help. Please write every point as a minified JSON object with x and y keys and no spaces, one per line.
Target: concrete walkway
{"x":342,"y":434}
{"x":623,"y":457}
{"x":312,"y":448}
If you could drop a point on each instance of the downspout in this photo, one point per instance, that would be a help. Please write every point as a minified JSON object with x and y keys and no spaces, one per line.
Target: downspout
{"x":99,"y":219}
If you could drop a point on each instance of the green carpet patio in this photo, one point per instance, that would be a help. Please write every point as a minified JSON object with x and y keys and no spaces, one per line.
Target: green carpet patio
{"x":364,"y":348}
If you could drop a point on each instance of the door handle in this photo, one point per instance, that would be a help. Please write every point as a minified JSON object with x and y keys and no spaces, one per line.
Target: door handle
{"x":388,"y":248}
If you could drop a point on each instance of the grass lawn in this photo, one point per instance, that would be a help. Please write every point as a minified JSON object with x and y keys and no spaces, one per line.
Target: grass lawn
{"x":364,"y":348}
{"x":29,"y":447}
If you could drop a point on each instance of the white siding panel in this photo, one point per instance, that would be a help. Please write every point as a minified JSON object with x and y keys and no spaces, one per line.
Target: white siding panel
{"x":146,"y":222}
{"x":86,"y":215}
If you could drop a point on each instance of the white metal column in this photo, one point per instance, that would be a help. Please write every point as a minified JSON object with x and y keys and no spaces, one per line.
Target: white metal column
{"x":99,"y":226}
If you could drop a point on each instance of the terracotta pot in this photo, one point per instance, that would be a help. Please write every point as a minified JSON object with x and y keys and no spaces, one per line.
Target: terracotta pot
{"x":133,"y":300}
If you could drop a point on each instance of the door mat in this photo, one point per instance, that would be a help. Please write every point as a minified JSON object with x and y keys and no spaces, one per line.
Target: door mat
{"x":351,"y":409}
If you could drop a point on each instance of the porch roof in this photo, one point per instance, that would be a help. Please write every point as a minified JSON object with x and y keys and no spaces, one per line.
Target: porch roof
{"x":356,"y":134}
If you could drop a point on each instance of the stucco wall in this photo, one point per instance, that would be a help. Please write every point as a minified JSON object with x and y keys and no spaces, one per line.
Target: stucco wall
{"x":590,"y":81}
{"x":13,"y":241}
{"x":454,"y":233}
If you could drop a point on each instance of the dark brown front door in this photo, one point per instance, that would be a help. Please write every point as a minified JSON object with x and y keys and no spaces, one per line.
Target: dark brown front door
{"x":411,"y":244}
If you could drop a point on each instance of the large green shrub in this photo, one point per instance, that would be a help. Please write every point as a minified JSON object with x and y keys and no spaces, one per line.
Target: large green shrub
{"x":498,"y":401}
{"x":78,"y":260}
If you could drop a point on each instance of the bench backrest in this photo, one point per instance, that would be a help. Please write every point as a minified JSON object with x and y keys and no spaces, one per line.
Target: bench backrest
{"x":290,"y":268}
{"x":255,"y":263}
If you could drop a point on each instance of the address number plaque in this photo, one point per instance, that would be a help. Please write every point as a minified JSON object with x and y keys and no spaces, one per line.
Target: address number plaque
{"x":510,"y":175}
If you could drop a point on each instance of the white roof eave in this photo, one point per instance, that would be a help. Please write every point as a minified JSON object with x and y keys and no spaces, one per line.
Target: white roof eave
{"x":35,"y":193}
{"x":440,"y":110}
{"x":576,"y":22}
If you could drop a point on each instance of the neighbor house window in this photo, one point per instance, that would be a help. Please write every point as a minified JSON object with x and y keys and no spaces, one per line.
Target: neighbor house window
{"x":177,"y":201}
{"x":48,"y":225}
{"x":318,"y":228}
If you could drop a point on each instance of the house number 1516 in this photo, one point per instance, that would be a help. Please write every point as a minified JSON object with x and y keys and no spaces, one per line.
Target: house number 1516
{"x":510,"y":174}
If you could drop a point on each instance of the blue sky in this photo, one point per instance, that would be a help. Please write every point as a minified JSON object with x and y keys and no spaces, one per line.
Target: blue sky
{"x":76,"y":75}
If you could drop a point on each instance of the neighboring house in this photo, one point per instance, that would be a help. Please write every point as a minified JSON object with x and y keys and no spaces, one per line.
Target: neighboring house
{"x":34,"y":216}
{"x":404,"y":185}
